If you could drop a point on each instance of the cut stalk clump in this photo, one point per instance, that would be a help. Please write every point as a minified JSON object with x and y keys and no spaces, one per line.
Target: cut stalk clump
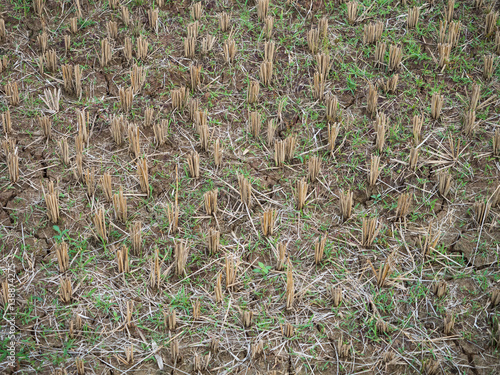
{"x":436,"y":105}
{"x":153,"y":19}
{"x":352,"y":11}
{"x":46,"y":124}
{"x":279,"y":153}
{"x":13,"y":165}
{"x":189,"y":47}
{"x":229,"y":50}
{"x":290,"y":145}
{"x":73,"y":25}
{"x":245,"y":190}
{"x":417,"y":122}
{"x":122,"y":260}
{"x":313,"y":41}
{"x":267,"y":222}
{"x":380,"y":49}
{"x":65,"y":290}
{"x":333,"y":132}
{"x":218,"y":288}
{"x":181,"y":256}
{"x":345,"y":203}
{"x":217,"y":153}
{"x":288,"y":330}
{"x":268,"y":27}
{"x":137,"y":78}
{"x":224,"y":20}
{"x":155,"y":275}
{"x":210,"y":198}
{"x":247,"y":317}
{"x":496,"y":143}
{"x":371,"y":104}
{"x":142,"y":48}
{"x":395,"y":55}
{"x":64,"y":151}
{"x":194,"y":72}
{"x":323,"y":27}
{"x":413,"y":14}
{"x":454,"y":33}
{"x":126,"y":97}
{"x":160,"y":131}
{"x":313,"y":168}
{"x":134,"y":140}
{"x":369,"y":232}
{"x":481,"y":212}
{"x":271,"y":130}
{"x":62,"y":256}
{"x":383,"y":271}
{"x":230,"y":268}
{"x":179,"y":97}
{"x":100,"y":224}
{"x":301,"y":193}
{"x":112,"y":29}
{"x":50,"y":58}
{"x":444,"y":183}
{"x":372,"y":32}
{"x":192,"y":29}
{"x":332,"y":108}
{"x":448,"y":15}
{"x":105,"y":52}
{"x":491,"y":23}
{"x":470,"y":123}
{"x":262,"y":9}
{"x":281,"y":259}
{"x":444,"y":51}
{"x":116,"y":127}
{"x":319,"y":249}
{"x":213,"y":241}
{"x":318,"y":86}
{"x":196,"y":10}
{"x":336,"y":295}
{"x":269,"y":48}
{"x":170,"y":320}
{"x":413,"y":158}
{"x":323,"y":62}
{"x":106,"y":186}
{"x":488,"y":66}
{"x":374,"y":171}
{"x":430,"y":242}
{"x":207,"y":44}
{"x":193,"y":160}
{"x":449,"y":322}
{"x":255,"y":123}
{"x":403,"y":207}
{"x":149,"y":114}
{"x":290,"y":292}
{"x":89,"y":179}
{"x":6,"y":122}
{"x":52,"y":202}
{"x":51,"y":99}
{"x":474,"y":97}
{"x":142,"y":173}
{"x":380,"y":129}
{"x":266,"y":72}
{"x":253,"y":92}
{"x":127,"y":48}
{"x":120,"y":206}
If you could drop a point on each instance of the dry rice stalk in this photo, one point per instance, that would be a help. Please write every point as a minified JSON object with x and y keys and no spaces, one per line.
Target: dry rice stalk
{"x":247,"y":316}
{"x":442,"y":31}
{"x":195,"y":76}
{"x":78,"y":172}
{"x":266,"y":72}
{"x":122,"y":260}
{"x":153,"y":19}
{"x":170,"y":320}
{"x":245,"y":190}
{"x":89,"y":179}
{"x":105,"y":52}
{"x":262,"y":9}
{"x":391,"y":85}
{"x":142,"y":48}
{"x":319,"y":249}
{"x":290,"y":145}
{"x":210,"y":198}
{"x":380,"y":128}
{"x":217,"y":153}
{"x":73,"y":25}
{"x":313,"y":41}
{"x":148,"y":117}
{"x":497,"y":42}
{"x":491,"y":23}
{"x":336,"y":295}
{"x":13,"y":165}
{"x":380,"y":49}
{"x":181,"y":256}
{"x":3,"y":33}
{"x":488,"y":66}
{"x":470,"y":123}
{"x":257,"y":349}
{"x":280,"y":261}
{"x":271,"y":129}
{"x":213,"y":241}
{"x":481,"y":212}
{"x":51,"y":99}
{"x":230,"y":268}
{"x":449,"y":322}
{"x":495,"y":297}
{"x":301,"y":193}
{"x":218,"y":289}
{"x":345,"y":203}
{"x":267,"y":222}
{"x":436,"y":105}
{"x":318,"y":86}
{"x":333,"y":132}
{"x":268,"y":27}
{"x":374,"y":171}
{"x":332,"y":105}
{"x":192,"y":30}
{"x":474,"y":97}
{"x":6,"y":122}
{"x":430,"y":242}
{"x":313,"y":168}
{"x":155,"y":275}
{"x":193,"y":160}
{"x":116,"y":128}
{"x":50,"y":59}
{"x":65,"y":290}
{"x":189,"y":47}
{"x":196,"y":309}
{"x":323,"y":27}
{"x":174,"y":351}
{"x":448,"y":15}
{"x":290,"y":292}
{"x":444,"y":183}
{"x":454,"y":33}
{"x":496,"y":143}
{"x":134,"y":140}
{"x":352,"y":10}
{"x":136,"y":237}
{"x":253,"y":92}
{"x":196,"y":10}
{"x":279,"y":153}
{"x":12,"y":93}
{"x":382,"y":273}
{"x":224,"y":20}
{"x":62,"y":256}
{"x":371,"y":104}
{"x":444,"y":51}
{"x":42,"y":41}
{"x":100,"y":224}
{"x":5,"y":293}
{"x":64,"y":151}
{"x":403,"y":208}
{"x":137,"y":78}
{"x":80,"y":367}
{"x":269,"y":48}
{"x":372,"y":32}
{"x":126,"y":98}
{"x":395,"y":54}
{"x":323,"y":61}
{"x":112,"y":29}
{"x":287,"y":331}
{"x":229,"y":50}
{"x":8,"y":146}
{"x":120,"y":206}
{"x":67,"y":73}
{"x":200,"y":119}
{"x":127,"y":48}
{"x":417,"y":129}
{"x":179,"y":97}
{"x":413,"y":14}
{"x":255,"y":123}
{"x":38,"y":6}
{"x":142,"y":173}
{"x":45,"y":123}
{"x":413,"y":158}
{"x":106,"y":186}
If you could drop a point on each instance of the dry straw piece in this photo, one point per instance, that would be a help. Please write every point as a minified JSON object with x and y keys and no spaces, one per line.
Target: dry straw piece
{"x":120,"y":206}
{"x":488,"y":67}
{"x":193,"y":161}
{"x":313,"y":41}
{"x":213,"y":241}
{"x":218,"y":289}
{"x":170,"y":320}
{"x":117,"y":126}
{"x":279,"y":153}
{"x":290,"y":291}
{"x":430,"y":241}
{"x":13,"y":165}
{"x":262,"y":9}
{"x":3,"y":33}
{"x":372,"y":32}
{"x":301,"y":193}
{"x":395,"y":55}
{"x":210,"y":198}
{"x":224,"y":20}
{"x":352,"y":11}
{"x":246,"y":316}
{"x":181,"y":252}
{"x":369,"y":231}
{"x":106,"y":53}
{"x":319,"y":249}
{"x":229,"y":49}
{"x":374,"y":171}
{"x":268,"y":27}
{"x":444,"y":50}
{"x":345,"y":204}
{"x":142,"y":48}
{"x":245,"y":190}
{"x":217,"y":153}
{"x":266,"y":72}
{"x":89,"y":179}
{"x":380,"y":49}
{"x":403,"y":207}
{"x":196,"y":10}
{"x":313,"y":168}
{"x":153,"y":19}
{"x":64,"y":151}
{"x":380,"y":126}
{"x":318,"y":86}
{"x":126,"y":97}
{"x":194,"y":72}
{"x":417,"y":122}
{"x":122,"y":260}
{"x":372,"y":98}
{"x":189,"y":47}
{"x":333,"y":132}
{"x":444,"y":183}
{"x":253,"y":92}
{"x":137,"y":78}
{"x":470,"y":124}
{"x":142,"y":173}
{"x":491,"y":23}
{"x":134,"y":140}
{"x":383,"y":271}
{"x":3,"y":63}
{"x":281,"y":259}
{"x":207,"y":44}
{"x":267,"y":222}
{"x":100,"y":224}
{"x":62,"y":256}
{"x":437,"y":102}
{"x":413,"y":14}
{"x":481,"y":212}
{"x":65,"y":290}
{"x":497,"y":42}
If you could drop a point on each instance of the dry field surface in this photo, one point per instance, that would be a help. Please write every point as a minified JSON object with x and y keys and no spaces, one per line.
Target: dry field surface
{"x":250,"y":187}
